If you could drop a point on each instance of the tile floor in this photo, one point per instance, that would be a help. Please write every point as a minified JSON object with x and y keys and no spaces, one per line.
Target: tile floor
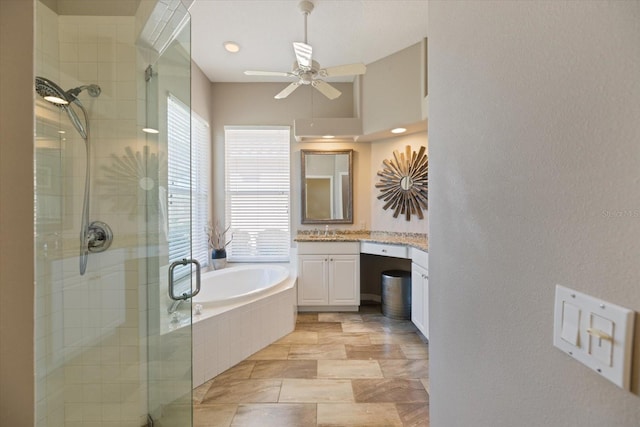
{"x":335,"y":369}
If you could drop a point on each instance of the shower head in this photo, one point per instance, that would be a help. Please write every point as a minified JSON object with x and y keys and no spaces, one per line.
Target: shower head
{"x":51,"y":92}
{"x":54,"y":94}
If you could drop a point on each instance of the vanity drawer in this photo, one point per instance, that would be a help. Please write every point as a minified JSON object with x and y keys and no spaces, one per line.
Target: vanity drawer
{"x":420,"y":257}
{"x":321,"y":248}
{"x":398,"y":251}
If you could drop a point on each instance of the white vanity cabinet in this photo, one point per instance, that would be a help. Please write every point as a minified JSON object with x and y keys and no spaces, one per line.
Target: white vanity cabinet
{"x":420,"y":290}
{"x":328,"y":275}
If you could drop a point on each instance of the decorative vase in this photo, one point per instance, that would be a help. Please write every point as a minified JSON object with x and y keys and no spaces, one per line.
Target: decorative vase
{"x":219,"y":258}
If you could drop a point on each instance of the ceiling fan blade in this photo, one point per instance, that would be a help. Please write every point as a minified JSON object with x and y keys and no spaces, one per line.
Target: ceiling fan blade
{"x":303,"y":54}
{"x":326,"y":89}
{"x":269,"y":73}
{"x":343,"y":70}
{"x":287,"y":90}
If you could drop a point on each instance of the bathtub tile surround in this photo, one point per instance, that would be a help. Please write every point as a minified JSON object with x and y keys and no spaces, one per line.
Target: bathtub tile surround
{"x":227,"y":333}
{"x":375,"y":378}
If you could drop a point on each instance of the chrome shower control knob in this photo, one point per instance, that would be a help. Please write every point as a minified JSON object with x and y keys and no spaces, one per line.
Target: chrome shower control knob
{"x":99,"y":236}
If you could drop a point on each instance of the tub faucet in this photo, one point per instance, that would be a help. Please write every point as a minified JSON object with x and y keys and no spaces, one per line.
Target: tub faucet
{"x":174,"y":306}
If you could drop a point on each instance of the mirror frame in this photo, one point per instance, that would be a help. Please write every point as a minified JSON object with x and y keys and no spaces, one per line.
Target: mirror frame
{"x":303,"y":188}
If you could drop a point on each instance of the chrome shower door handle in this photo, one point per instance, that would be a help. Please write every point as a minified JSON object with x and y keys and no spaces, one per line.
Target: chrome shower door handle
{"x":185,"y":295}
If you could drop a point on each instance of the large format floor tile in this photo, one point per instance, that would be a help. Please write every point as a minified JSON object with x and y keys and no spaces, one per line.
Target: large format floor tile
{"x":319,"y":326}
{"x":241,"y":371}
{"x":405,"y":368}
{"x":319,"y":390}
{"x":214,"y":415}
{"x":389,"y":390}
{"x":358,"y":414}
{"x":243,"y":391}
{"x":415,"y":351}
{"x":349,"y":369}
{"x":316,"y":352}
{"x":336,"y":369}
{"x":374,"y":351}
{"x":413,"y":414}
{"x":285,"y":369}
{"x":299,"y":337}
{"x":281,"y":414}
{"x":272,"y":352}
{"x":360,"y":338}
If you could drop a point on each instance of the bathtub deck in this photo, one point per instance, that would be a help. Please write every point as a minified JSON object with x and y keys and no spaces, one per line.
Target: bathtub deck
{"x":334,"y":369}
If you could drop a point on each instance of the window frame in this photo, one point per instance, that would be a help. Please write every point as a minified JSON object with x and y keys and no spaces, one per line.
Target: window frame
{"x":258,"y":192}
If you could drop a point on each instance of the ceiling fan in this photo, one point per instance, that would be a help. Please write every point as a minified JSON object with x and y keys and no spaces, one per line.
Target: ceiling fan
{"x":308,"y":71}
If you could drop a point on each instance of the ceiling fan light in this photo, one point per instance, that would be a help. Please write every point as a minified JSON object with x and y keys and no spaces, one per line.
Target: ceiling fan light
{"x":231,"y":47}
{"x":398,"y":130}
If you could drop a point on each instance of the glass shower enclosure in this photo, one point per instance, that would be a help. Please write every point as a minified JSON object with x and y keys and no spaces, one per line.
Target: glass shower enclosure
{"x":108,"y":352}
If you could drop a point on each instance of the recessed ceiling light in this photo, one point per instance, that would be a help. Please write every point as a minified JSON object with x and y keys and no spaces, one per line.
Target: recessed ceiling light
{"x":150,"y":130}
{"x":232,"y":47}
{"x":398,"y":130}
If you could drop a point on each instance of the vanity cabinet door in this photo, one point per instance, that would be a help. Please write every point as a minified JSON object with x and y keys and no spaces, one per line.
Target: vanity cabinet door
{"x":313,"y":280}
{"x":425,"y":314}
{"x":420,"y":298}
{"x":344,"y":282}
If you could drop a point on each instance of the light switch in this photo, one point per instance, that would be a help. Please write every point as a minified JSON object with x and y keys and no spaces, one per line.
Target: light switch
{"x":595,"y":332}
{"x":600,"y":338}
{"x":570,"y":323}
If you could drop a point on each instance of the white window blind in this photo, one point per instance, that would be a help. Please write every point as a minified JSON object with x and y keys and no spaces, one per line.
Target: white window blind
{"x":257,"y":192}
{"x":188,"y":186}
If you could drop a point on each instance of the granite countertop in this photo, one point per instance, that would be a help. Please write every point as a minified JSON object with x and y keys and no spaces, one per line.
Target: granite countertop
{"x":416,"y":240}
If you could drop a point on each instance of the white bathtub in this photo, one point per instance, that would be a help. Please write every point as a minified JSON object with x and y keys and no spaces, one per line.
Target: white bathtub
{"x":239,"y":283}
{"x":244,"y":309}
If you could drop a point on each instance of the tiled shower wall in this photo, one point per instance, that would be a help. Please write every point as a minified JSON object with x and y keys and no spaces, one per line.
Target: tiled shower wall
{"x":89,"y":369}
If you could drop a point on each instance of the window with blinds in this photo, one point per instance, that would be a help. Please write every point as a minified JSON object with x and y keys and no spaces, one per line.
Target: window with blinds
{"x":188,"y":182}
{"x":257,"y":182}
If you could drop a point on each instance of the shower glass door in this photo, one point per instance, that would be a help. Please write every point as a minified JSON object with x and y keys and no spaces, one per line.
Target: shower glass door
{"x":107,"y":350}
{"x":168,"y":130}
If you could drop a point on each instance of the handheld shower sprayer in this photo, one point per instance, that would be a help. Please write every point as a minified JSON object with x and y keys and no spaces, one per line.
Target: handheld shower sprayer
{"x":95,"y":236}
{"x":62,"y":99}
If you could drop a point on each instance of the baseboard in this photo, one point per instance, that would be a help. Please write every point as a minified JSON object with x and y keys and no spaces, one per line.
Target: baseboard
{"x":370,"y":297}
{"x":326,"y":308}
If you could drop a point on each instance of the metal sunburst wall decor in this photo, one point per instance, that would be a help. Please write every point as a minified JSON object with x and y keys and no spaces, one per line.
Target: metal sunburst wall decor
{"x":404,"y":183}
{"x":130,"y":173}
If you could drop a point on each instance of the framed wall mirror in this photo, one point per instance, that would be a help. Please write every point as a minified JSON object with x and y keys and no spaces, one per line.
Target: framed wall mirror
{"x":326,"y":186}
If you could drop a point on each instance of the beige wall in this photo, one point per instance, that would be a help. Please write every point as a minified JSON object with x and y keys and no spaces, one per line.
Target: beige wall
{"x":391,"y":91}
{"x":16,"y":214}
{"x":535,"y":164}
{"x":383,"y":220}
{"x":200,"y":93}
{"x":253,"y":104}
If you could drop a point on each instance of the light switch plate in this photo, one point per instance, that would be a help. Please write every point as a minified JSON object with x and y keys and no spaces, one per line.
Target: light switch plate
{"x":604,"y":334}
